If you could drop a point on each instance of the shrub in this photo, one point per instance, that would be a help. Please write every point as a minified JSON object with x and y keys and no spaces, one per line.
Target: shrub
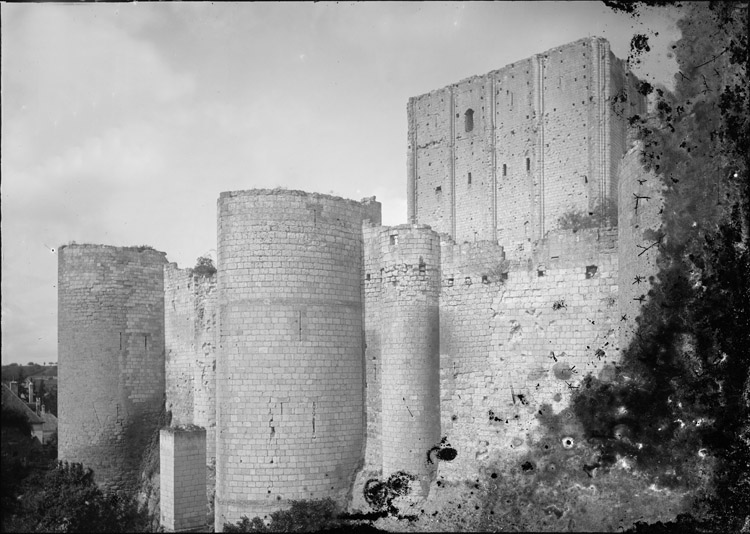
{"x":204,"y":267}
{"x":303,"y":516}
{"x":66,"y":499}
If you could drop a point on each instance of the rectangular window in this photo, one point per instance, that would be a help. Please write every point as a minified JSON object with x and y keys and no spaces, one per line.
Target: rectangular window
{"x":505,"y":170}
{"x":469,"y":178}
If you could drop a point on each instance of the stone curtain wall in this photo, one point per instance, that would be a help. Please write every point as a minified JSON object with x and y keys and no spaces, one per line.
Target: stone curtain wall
{"x":290,"y":374}
{"x":111,"y":356}
{"x":542,"y":140}
{"x":410,"y":350}
{"x":206,"y":344}
{"x":509,"y":345}
{"x":190,"y":336}
{"x":372,"y":294}
{"x":179,"y":335}
{"x":637,"y":252}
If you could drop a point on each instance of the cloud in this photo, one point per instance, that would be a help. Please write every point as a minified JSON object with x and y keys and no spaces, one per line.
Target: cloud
{"x":69,"y":74}
{"x":122,"y":123}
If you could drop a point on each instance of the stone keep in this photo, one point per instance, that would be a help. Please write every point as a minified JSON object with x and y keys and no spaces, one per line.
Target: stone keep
{"x":502,"y":156}
{"x":111,"y":357}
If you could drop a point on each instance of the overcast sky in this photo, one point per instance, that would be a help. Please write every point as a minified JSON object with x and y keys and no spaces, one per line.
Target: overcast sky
{"x":122,"y":123}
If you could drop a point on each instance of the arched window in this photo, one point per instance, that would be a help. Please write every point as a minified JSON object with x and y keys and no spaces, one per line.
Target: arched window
{"x":469,"y":120}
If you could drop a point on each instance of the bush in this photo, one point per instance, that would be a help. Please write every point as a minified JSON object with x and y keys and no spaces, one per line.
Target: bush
{"x":303,"y":516}
{"x":66,"y":499}
{"x":204,"y":267}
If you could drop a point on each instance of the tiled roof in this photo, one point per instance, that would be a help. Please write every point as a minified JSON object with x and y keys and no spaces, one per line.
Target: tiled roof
{"x":15,"y":403}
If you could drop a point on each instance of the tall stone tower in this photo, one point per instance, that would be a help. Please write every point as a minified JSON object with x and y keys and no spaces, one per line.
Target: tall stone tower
{"x":410,"y":344}
{"x":289,"y":373}
{"x":111,"y":357}
{"x":503,"y":156}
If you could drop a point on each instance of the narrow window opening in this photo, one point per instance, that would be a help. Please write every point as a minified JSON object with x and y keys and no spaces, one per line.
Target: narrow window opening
{"x":469,"y":178}
{"x":505,"y":170}
{"x":439,"y":189}
{"x":145,"y":341}
{"x":450,"y":282}
{"x":528,"y":164}
{"x":120,"y":340}
{"x":394,"y":239}
{"x":540,"y":272}
{"x":469,"y":120}
{"x":313,"y":419}
{"x":485,"y":280}
{"x":591,"y":271}
{"x":467,"y":280}
{"x":367,"y":277}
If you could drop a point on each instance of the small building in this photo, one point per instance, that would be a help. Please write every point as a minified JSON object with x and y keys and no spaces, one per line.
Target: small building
{"x":14,"y":403}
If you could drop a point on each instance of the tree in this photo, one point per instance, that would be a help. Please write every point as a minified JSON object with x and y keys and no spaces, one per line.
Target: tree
{"x":303,"y":516}
{"x":683,"y":395}
{"x":204,"y":267}
{"x":66,"y":499}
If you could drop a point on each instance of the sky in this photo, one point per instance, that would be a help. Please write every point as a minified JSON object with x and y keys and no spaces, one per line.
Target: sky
{"x":122,"y":122}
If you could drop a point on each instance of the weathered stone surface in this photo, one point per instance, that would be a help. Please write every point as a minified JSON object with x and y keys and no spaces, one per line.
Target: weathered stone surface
{"x":544,"y":138}
{"x":289,"y":374}
{"x":330,"y":354}
{"x":111,"y":357}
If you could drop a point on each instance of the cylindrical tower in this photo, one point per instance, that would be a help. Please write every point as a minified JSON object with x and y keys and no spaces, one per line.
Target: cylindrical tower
{"x":289,"y":374}
{"x":410,"y":351}
{"x":111,"y":357}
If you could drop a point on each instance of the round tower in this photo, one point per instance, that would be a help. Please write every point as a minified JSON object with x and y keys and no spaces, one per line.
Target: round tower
{"x":410,"y":351}
{"x":289,"y":373}
{"x":111,"y":358}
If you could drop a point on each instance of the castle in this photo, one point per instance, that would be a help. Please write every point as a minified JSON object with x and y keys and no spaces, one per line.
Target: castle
{"x":329,"y":349}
